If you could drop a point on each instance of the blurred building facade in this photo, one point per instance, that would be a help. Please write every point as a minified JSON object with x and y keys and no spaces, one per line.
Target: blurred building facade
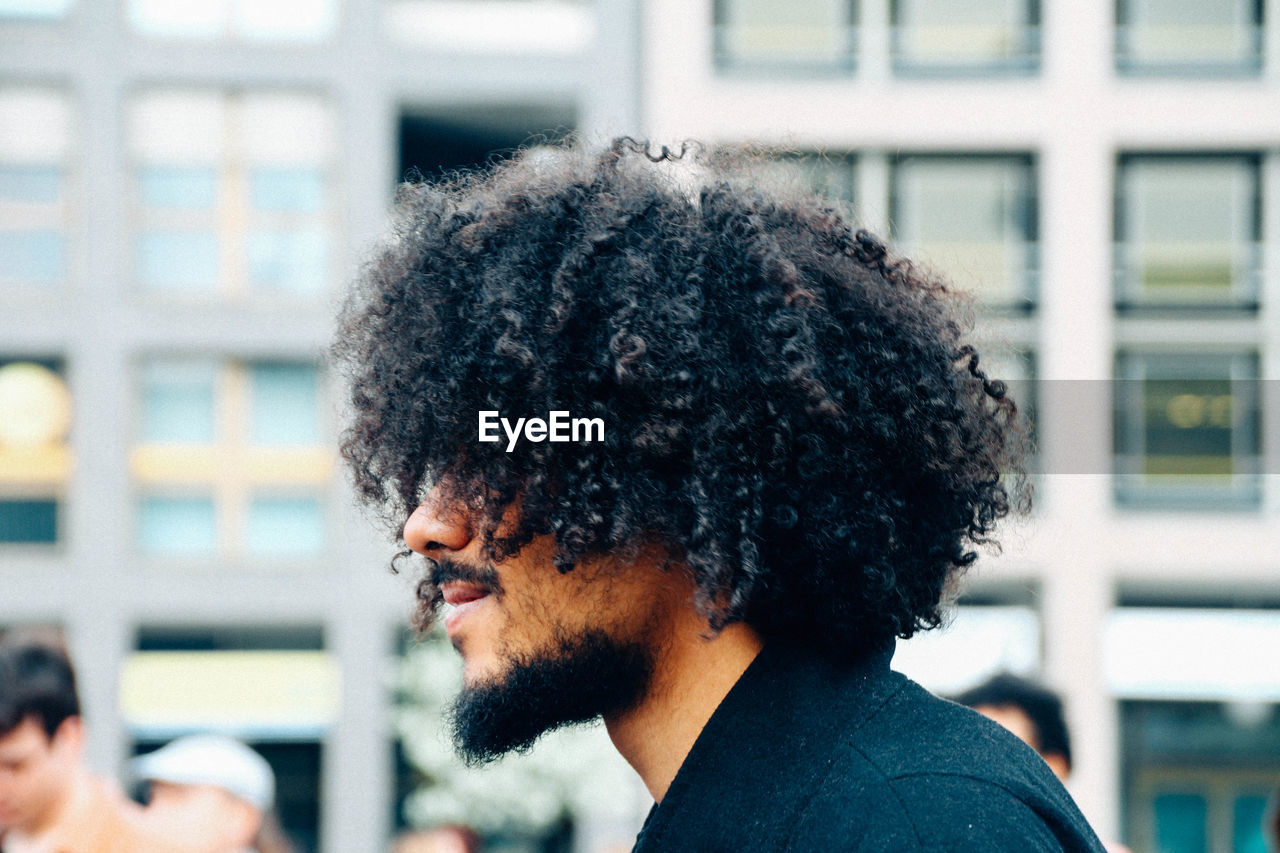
{"x":186,"y":187}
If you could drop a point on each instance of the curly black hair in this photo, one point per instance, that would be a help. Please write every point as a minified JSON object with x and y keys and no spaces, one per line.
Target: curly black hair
{"x":793,"y":412}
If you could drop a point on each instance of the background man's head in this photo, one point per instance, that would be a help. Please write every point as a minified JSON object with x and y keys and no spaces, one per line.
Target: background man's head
{"x":446,"y":838}
{"x":1029,"y":710}
{"x":207,"y":792}
{"x":40,"y":733}
{"x":796,"y":431}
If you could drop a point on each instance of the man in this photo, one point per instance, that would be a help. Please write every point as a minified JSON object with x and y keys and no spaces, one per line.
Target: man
{"x":209,"y":791}
{"x":446,"y":838}
{"x":1030,"y":711}
{"x":687,"y":455}
{"x":48,"y":799}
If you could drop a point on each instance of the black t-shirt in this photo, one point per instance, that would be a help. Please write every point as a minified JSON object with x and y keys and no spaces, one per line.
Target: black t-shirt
{"x":806,"y":755}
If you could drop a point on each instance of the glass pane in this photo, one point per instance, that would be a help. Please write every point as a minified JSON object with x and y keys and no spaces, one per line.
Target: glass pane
{"x":193,"y":18}
{"x":289,"y":261}
{"x":781,"y":32}
{"x":178,"y":402}
{"x":960,"y":32}
{"x":179,"y":187}
{"x":285,"y":404}
{"x":178,"y":526}
{"x":30,"y":184}
{"x":46,"y":10}
{"x":1188,"y":427}
{"x":971,"y":219}
{"x":1190,"y":229}
{"x":285,"y":526}
{"x":1190,"y":33}
{"x":31,"y":257}
{"x":301,"y":20}
{"x":283,"y":189}
{"x":1247,"y":816}
{"x":34,"y":521}
{"x":178,"y":260}
{"x":1181,"y":823}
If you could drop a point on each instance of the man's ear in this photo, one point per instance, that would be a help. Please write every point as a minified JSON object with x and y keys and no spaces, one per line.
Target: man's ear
{"x":69,"y":736}
{"x":1058,"y":764}
{"x":246,"y":819}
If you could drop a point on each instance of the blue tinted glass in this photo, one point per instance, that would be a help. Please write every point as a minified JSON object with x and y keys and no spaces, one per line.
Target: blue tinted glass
{"x":178,"y":402}
{"x":29,"y":521}
{"x":31,"y":257}
{"x":181,"y":526}
{"x":30,"y":184}
{"x":1247,"y":817}
{"x":178,"y":260}
{"x":289,"y":190}
{"x":285,"y":404}
{"x":285,"y":526}
{"x":179,"y":186}
{"x":1180,"y":823}
{"x":35,"y":10}
{"x":288,"y":261}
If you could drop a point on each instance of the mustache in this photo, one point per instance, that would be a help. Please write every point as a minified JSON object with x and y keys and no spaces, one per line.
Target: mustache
{"x":443,"y":571}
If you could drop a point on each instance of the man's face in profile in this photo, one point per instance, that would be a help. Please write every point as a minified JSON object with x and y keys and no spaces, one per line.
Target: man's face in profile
{"x":36,"y":771}
{"x":540,"y":648}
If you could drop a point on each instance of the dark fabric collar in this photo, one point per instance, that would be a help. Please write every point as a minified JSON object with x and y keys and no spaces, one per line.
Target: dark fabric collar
{"x":770,"y":734}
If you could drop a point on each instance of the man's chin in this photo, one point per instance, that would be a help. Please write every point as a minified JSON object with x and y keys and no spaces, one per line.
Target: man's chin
{"x":578,"y":680}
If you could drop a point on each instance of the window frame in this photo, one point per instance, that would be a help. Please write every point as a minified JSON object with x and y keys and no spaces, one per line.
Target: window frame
{"x":1132,"y":488}
{"x":726,"y":63}
{"x":1025,"y":63}
{"x":1025,"y":299}
{"x":1128,"y":65}
{"x":1127,"y":294}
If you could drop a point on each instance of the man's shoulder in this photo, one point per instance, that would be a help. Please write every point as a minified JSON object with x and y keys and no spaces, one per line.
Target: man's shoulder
{"x":926,"y":774}
{"x":935,"y":812}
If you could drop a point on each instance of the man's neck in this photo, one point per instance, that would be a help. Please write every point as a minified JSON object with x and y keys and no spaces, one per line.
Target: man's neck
{"x":693,"y":673}
{"x":44,"y":830}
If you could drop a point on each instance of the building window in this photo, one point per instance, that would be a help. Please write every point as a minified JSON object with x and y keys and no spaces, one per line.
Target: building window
{"x":955,"y":36}
{"x":34,"y":146}
{"x":973,"y":220}
{"x":772,"y":35}
{"x":1199,"y":720}
{"x":544,"y":27}
{"x":231,"y":460}
{"x":233,"y":194}
{"x":1186,"y":430}
{"x":34,"y":10}
{"x":829,"y":175}
{"x":35,"y":456}
{"x":1189,"y":36}
{"x":292,"y":20}
{"x":1188,"y":231}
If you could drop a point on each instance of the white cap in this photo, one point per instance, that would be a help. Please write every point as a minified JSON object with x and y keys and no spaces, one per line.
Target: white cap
{"x":211,"y":760}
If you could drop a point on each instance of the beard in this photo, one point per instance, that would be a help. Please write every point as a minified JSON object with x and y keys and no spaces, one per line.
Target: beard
{"x":577,"y":680}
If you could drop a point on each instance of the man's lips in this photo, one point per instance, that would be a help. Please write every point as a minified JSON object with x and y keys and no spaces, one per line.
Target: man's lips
{"x":464,"y":598}
{"x":460,"y":592}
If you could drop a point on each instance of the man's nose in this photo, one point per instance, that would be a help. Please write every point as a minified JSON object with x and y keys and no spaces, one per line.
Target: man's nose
{"x":438,"y":525}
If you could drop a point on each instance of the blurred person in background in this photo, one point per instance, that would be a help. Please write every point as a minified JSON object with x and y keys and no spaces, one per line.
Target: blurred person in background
{"x":796,"y":455}
{"x":49,"y":800}
{"x":1031,"y":711}
{"x":1034,"y":713}
{"x":213,"y":794}
{"x":446,"y":838}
